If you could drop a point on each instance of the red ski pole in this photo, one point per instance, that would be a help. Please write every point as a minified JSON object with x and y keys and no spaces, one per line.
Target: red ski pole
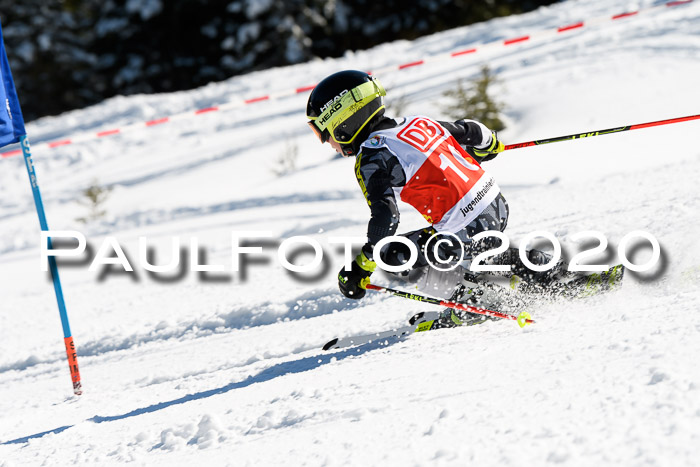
{"x":588,"y":134}
{"x":523,"y":318}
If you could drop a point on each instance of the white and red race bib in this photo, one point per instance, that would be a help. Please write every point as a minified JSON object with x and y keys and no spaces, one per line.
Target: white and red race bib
{"x":443,"y":182}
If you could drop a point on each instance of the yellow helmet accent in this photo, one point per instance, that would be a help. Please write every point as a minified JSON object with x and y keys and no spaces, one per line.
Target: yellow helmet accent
{"x":336,"y":118}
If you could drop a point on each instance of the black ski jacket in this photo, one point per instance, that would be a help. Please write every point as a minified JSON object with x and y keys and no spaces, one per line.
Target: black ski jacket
{"x":379,"y":171}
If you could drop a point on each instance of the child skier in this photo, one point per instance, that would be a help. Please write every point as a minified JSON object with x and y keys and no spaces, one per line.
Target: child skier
{"x":433,"y":166}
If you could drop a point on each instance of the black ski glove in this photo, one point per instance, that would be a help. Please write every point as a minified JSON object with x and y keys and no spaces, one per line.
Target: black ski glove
{"x":352,"y":283}
{"x":488,"y":153}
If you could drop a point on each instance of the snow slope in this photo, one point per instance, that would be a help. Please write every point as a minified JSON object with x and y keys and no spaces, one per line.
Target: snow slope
{"x":227,"y":370}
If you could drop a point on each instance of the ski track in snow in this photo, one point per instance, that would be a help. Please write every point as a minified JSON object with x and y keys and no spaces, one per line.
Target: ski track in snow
{"x":228,"y":370}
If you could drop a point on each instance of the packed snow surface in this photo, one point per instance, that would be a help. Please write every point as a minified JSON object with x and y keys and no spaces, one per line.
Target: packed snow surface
{"x":218,"y":368}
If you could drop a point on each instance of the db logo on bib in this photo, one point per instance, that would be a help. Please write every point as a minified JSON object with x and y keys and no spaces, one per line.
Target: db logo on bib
{"x":421,"y":134}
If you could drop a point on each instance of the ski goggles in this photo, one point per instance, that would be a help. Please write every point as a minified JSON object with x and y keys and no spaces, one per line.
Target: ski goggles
{"x":347,"y":112}
{"x":321,"y":135}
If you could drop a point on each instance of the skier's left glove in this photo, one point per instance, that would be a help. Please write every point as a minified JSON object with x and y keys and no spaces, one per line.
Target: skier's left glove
{"x":492,"y":150}
{"x":353,"y":283}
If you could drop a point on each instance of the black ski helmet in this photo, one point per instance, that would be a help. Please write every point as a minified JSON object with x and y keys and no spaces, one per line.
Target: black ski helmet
{"x":341,"y":105}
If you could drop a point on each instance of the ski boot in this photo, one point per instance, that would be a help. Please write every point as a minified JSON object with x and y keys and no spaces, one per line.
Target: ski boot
{"x":448,"y":317}
{"x":472,"y":292}
{"x":596,"y":283}
{"x":570,"y":285}
{"x":468,"y":293}
{"x":427,"y":320}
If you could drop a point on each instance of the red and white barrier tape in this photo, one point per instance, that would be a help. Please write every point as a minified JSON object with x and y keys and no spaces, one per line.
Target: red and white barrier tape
{"x":290,"y":92}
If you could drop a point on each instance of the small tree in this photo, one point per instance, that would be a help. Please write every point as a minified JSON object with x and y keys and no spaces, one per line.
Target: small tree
{"x":475,"y":101}
{"x":95,"y":196}
{"x":286,"y":161}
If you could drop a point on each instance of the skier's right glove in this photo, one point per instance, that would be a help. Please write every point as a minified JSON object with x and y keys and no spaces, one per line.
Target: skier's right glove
{"x":353,"y":283}
{"x":488,"y":153}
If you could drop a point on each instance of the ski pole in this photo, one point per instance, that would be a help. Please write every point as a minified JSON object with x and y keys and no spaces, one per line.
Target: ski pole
{"x":588,"y":134}
{"x":71,"y":353}
{"x":523,"y":318}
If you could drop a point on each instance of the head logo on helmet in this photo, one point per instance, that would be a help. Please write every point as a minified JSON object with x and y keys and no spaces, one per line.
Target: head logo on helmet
{"x":342,"y":106}
{"x":336,"y":98}
{"x":327,"y":115}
